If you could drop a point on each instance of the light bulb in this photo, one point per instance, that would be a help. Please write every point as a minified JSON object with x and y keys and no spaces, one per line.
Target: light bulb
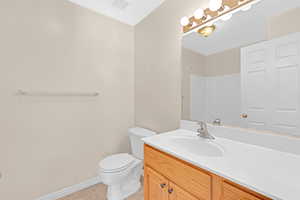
{"x":199,"y":13}
{"x":248,"y":7}
{"x":226,"y":17}
{"x":184,"y":21}
{"x":215,"y":5}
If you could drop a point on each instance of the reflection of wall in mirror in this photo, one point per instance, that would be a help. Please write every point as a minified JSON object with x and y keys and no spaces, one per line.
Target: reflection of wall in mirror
{"x":216,"y":97}
{"x":285,"y":23}
{"x":192,"y":63}
{"x":202,"y":78}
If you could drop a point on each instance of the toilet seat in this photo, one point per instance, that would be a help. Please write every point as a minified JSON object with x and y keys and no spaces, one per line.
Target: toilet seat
{"x":116,"y":163}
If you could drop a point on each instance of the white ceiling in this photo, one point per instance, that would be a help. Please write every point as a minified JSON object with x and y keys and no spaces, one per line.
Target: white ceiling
{"x":127,"y":11}
{"x":242,"y":29}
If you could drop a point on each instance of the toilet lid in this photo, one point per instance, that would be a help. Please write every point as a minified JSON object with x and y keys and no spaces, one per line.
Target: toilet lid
{"x":116,"y":162}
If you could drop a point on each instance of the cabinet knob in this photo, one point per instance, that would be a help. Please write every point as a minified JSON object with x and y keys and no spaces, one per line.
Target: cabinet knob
{"x":163,"y":185}
{"x":244,"y":115}
{"x":170,"y":190}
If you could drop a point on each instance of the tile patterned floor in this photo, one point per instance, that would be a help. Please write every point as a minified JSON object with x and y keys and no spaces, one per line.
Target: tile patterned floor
{"x":97,"y":192}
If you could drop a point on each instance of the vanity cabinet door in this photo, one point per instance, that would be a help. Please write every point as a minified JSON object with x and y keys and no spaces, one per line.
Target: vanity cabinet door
{"x":233,"y":193}
{"x":176,"y":193}
{"x":193,"y":180}
{"x":155,"y":185}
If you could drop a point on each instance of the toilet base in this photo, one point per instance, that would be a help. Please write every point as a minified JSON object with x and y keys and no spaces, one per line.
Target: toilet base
{"x":121,"y":192}
{"x":122,"y":184}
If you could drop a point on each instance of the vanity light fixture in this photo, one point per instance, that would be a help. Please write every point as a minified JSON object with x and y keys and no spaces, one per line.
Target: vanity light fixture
{"x":218,"y":10}
{"x":215,"y":5}
{"x":207,"y":30}
{"x":199,"y":14}
{"x":226,"y":17}
{"x":185,"y":21}
{"x":246,"y":8}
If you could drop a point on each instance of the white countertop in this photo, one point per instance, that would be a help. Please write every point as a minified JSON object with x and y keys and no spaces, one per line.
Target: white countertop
{"x":269,"y":172}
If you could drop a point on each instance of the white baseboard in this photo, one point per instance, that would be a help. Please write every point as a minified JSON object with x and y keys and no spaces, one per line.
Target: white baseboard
{"x":69,"y":190}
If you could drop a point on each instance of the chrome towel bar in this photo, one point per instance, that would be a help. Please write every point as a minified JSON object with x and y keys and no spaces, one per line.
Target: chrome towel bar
{"x":62,"y":94}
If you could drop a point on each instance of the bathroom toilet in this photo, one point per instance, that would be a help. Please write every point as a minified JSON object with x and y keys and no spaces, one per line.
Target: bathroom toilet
{"x":122,"y":172}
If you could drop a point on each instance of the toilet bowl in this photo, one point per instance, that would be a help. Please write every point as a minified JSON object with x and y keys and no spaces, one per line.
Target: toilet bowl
{"x":122,"y":172}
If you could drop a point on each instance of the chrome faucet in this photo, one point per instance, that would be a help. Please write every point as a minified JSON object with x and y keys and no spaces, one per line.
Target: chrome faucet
{"x":203,"y":132}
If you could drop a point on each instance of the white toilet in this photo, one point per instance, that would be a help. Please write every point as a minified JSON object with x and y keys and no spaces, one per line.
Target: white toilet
{"x":122,"y":172}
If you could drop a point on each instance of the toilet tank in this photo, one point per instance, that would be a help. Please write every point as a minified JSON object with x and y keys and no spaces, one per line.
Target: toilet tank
{"x":137,"y":145}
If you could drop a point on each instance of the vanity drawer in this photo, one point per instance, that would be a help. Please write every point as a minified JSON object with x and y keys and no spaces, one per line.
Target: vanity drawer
{"x":231,"y":192}
{"x":194,"y":180}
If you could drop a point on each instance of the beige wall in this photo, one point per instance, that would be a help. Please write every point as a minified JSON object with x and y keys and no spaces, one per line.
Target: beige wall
{"x":223,"y":63}
{"x":192,"y":63}
{"x":285,"y":23}
{"x":158,"y":65}
{"x":48,"y":143}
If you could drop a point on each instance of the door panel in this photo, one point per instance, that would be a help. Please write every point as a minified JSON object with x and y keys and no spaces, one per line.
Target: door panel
{"x":285,"y":70}
{"x":254,"y":76}
{"x":176,"y":193}
{"x":155,"y":185}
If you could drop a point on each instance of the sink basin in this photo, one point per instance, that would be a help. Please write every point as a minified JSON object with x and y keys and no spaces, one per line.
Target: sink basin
{"x":198,"y":146}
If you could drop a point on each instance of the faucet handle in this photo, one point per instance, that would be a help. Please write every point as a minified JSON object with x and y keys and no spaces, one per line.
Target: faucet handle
{"x":202,"y":124}
{"x":217,"y":122}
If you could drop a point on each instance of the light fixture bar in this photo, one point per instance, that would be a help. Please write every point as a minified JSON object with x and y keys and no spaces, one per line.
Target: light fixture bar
{"x":210,"y":17}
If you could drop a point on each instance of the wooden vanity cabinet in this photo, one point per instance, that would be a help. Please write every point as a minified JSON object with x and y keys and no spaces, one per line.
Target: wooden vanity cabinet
{"x":160,"y":188}
{"x":179,"y":194}
{"x":157,"y":186}
{"x":231,"y":192}
{"x":169,"y":178}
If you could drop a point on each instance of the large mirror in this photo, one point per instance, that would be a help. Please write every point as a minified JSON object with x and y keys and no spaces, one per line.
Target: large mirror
{"x":246,"y":73}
